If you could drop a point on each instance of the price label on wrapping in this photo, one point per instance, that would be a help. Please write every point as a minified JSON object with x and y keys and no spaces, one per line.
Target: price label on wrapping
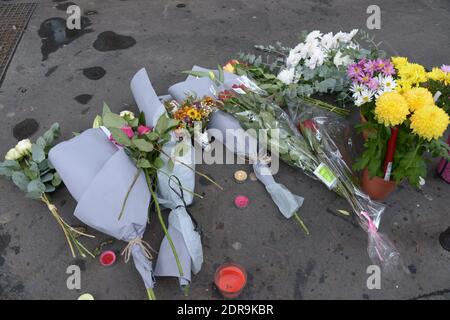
{"x":324,"y":173}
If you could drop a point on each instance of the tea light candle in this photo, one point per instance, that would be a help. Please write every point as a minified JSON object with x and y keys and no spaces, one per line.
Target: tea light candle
{"x":241,"y":202}
{"x":107,"y":258}
{"x":86,"y":296}
{"x":240,"y":176}
{"x":230,"y":279}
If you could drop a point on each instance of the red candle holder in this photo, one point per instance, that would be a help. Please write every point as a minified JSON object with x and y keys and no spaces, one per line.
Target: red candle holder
{"x":241,"y":202}
{"x":230,"y":279}
{"x":107,"y":258}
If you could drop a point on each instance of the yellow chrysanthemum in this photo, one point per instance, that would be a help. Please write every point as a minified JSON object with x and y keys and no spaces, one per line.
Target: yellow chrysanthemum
{"x":438,"y":75}
{"x":391,"y":109}
{"x":429,"y":122}
{"x":193,"y":114}
{"x":410,"y":75}
{"x":418,"y":98}
{"x":399,"y":61}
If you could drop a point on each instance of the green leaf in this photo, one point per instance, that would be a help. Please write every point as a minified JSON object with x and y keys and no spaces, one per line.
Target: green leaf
{"x":143,"y":145}
{"x":49,"y":188}
{"x":41,"y":142}
{"x":170,"y":165}
{"x":144,"y":163}
{"x":5,"y":171}
{"x":47,"y":177}
{"x":162,"y":124}
{"x":38,"y":153}
{"x":142,"y":118}
{"x":11,"y":164}
{"x":36,"y":186}
{"x":120,"y":137}
{"x":49,"y":137}
{"x":56,"y":179}
{"x":32,"y":171}
{"x":153,"y":136}
{"x":199,"y":74}
{"x":158,"y":163}
{"x":220,"y":73}
{"x":98,"y":122}
{"x":171,"y":124}
{"x":105,"y":109}
{"x":20,"y":180}
{"x":112,"y":120}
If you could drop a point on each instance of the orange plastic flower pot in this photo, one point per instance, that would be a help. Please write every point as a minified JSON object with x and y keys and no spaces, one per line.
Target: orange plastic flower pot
{"x":377,"y":188}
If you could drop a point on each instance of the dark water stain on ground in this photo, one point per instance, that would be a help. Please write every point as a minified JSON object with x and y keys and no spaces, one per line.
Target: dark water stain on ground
{"x":55,"y":34}
{"x":64,"y":5}
{"x":50,"y":71}
{"x":205,"y":182}
{"x":109,"y":41}
{"x":81,"y":263}
{"x":83,"y":98}
{"x":94,"y":73}
{"x":5,"y":239}
{"x":25,"y":129}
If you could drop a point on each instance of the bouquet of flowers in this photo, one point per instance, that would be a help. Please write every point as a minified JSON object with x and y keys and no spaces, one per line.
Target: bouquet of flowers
{"x":316,"y":65}
{"x":27,"y":165}
{"x":189,"y":113}
{"x":439,"y":84}
{"x":401,"y":118}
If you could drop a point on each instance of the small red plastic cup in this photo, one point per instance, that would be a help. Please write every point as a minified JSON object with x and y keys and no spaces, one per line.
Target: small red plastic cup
{"x":230,"y":279}
{"x":107,"y":258}
{"x":241,"y":202}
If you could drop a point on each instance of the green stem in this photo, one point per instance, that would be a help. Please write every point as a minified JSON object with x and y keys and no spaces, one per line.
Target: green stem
{"x":151,"y":294}
{"x":136,"y":176}
{"x":161,"y":221}
{"x":302,"y":224}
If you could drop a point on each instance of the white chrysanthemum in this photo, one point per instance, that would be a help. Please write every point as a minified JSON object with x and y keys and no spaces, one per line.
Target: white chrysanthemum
{"x":286,"y":75}
{"x":365,"y":96}
{"x":344,"y":37}
{"x":340,"y":60}
{"x":357,"y":88}
{"x":313,"y":35}
{"x":328,"y":42}
{"x":388,"y":83}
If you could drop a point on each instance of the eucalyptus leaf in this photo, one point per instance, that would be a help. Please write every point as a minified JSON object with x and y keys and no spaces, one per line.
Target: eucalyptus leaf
{"x":11,"y":164}
{"x":36,"y":186}
{"x":47,"y":177}
{"x":38,"y":153}
{"x":41,"y":142}
{"x":153,"y":136}
{"x":20,"y":180}
{"x":5,"y":171}
{"x":56,"y":179}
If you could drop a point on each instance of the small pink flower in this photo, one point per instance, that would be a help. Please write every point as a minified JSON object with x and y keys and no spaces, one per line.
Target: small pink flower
{"x":143,"y":130}
{"x":373,"y":84}
{"x":128,"y":131}
{"x":445,"y":68}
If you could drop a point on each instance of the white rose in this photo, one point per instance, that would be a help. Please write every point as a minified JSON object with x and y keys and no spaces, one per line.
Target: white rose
{"x":24,"y":147}
{"x":127,"y":115}
{"x":12,"y":154}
